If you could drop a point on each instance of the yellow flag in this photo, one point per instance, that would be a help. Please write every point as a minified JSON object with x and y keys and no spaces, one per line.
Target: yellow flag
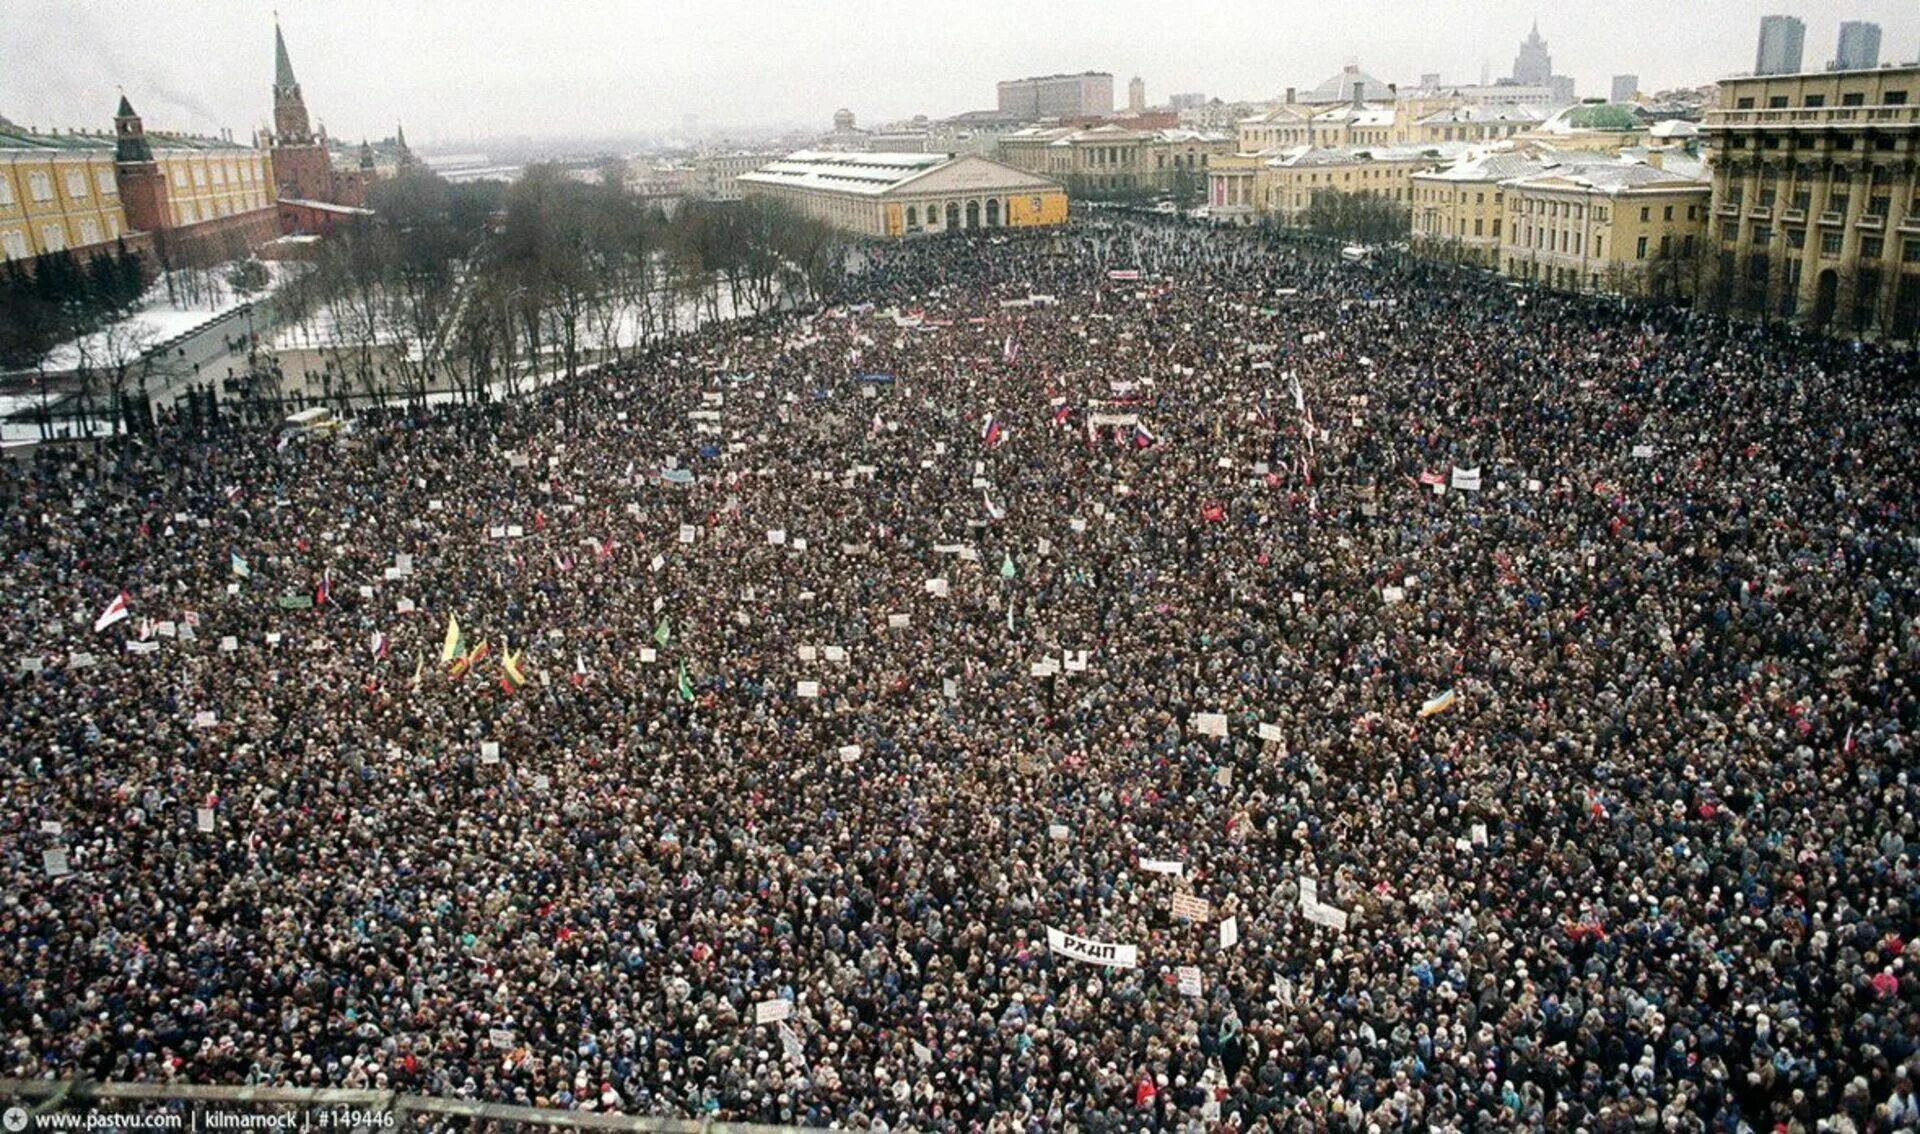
{"x":450,"y":649}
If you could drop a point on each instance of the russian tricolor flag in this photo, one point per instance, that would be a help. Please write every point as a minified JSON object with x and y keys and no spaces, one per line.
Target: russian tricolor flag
{"x":992,"y":433}
{"x":1142,"y":436}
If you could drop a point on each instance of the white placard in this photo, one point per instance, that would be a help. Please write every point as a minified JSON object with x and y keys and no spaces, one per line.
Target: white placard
{"x":776,"y":535}
{"x":497,"y":531}
{"x":500,"y":1039}
{"x":659,"y":561}
{"x":1643,"y":452}
{"x":203,"y":818}
{"x":834,"y":653}
{"x":54,"y":861}
{"x":80,"y":661}
{"x":489,"y":752}
{"x":205,"y":718}
{"x":1478,"y":834}
{"x":1057,"y":832}
{"x":404,"y":606}
{"x":807,"y":689}
{"x":899,"y":621}
{"x":1230,"y":933}
{"x":366,"y":591}
{"x":1210,"y":724}
{"x":1309,"y":892}
{"x":542,"y":781}
{"x":167,"y":629}
{"x":142,"y":647}
{"x":849,"y":752}
{"x":52,"y":827}
{"x":1189,"y":980}
{"x":1271,"y":732}
{"x":1465,"y":480}
{"x":1092,"y":952}
{"x":649,"y":654}
{"x":515,"y":531}
{"x":937,"y":588}
{"x":949,"y":688}
{"x":229,"y":643}
{"x":772,"y":1011}
{"x":1192,"y":908}
{"x":435,"y":505}
{"x":1162,"y":866}
{"x":1077,"y":524}
{"x":1074,"y":660}
{"x":33,"y":665}
{"x":809,"y":653}
{"x":390,"y":574}
{"x":1393,"y":595}
{"x":1334,"y":919}
{"x":687,"y":533}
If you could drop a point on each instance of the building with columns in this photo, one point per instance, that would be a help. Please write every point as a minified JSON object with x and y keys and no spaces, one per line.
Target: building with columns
{"x":905,"y":194}
{"x":1816,"y":200}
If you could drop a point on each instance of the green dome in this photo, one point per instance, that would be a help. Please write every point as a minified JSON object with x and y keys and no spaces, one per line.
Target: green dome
{"x":1602,"y":116}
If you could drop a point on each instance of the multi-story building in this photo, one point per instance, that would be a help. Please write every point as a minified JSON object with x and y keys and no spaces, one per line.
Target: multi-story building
{"x":1136,"y":95}
{"x":1816,"y":200}
{"x":185,"y":196}
{"x":1280,"y":188}
{"x":1113,"y":161}
{"x":1058,"y":96}
{"x":1478,"y":123}
{"x":892,"y":195}
{"x":1458,"y":211}
{"x":1624,"y":87}
{"x":1782,"y":39}
{"x":1859,"y":47}
{"x":716,"y":177}
{"x":1625,"y":228}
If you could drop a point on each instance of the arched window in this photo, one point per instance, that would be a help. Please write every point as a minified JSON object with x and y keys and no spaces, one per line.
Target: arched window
{"x":913,"y":217}
{"x":993,"y":213}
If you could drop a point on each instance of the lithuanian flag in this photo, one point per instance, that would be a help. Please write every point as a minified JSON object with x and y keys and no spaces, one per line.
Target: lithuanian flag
{"x":510,"y":676}
{"x":450,"y":649}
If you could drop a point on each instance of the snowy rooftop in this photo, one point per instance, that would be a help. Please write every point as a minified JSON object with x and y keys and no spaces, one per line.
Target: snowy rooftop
{"x":870,"y":174}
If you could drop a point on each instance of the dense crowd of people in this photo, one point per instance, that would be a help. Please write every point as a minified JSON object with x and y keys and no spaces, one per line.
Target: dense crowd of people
{"x":860,"y":648}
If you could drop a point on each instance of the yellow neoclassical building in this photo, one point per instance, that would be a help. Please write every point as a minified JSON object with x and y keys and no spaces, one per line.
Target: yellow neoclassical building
{"x":1458,"y":211}
{"x":1621,"y":227}
{"x":1816,"y":199}
{"x":79,"y":189}
{"x":57,"y":191}
{"x":903,"y":194}
{"x":1280,"y":187}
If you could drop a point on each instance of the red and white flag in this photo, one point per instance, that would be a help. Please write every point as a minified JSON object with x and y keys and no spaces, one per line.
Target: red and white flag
{"x":116,"y":610}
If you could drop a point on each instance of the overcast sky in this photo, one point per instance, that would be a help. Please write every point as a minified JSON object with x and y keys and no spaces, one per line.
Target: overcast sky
{"x":454,"y":70}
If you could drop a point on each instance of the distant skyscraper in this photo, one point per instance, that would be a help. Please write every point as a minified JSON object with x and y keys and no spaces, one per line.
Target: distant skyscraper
{"x":1137,"y":95}
{"x":1533,"y":66}
{"x":1859,"y":48}
{"x":1781,"y":41}
{"x":1624,"y":87}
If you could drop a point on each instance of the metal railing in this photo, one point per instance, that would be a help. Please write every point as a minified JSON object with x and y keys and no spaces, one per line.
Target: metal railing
{"x":1815,"y":116}
{"x":65,"y":1096}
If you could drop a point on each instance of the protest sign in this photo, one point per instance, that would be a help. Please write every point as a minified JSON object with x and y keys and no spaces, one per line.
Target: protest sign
{"x":1089,"y":951}
{"x":809,"y":689}
{"x":1162,"y":866}
{"x":1189,"y":980}
{"x":1192,"y":908}
{"x":1230,"y":933}
{"x":1466,"y":480}
{"x":1210,"y":724}
{"x":772,"y":1011}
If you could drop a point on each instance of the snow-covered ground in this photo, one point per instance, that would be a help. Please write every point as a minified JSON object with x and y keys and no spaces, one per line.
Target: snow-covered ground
{"x":166,"y":318}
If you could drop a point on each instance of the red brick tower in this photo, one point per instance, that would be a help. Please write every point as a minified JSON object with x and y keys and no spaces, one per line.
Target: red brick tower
{"x":143,"y":188}
{"x":301,"y":167}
